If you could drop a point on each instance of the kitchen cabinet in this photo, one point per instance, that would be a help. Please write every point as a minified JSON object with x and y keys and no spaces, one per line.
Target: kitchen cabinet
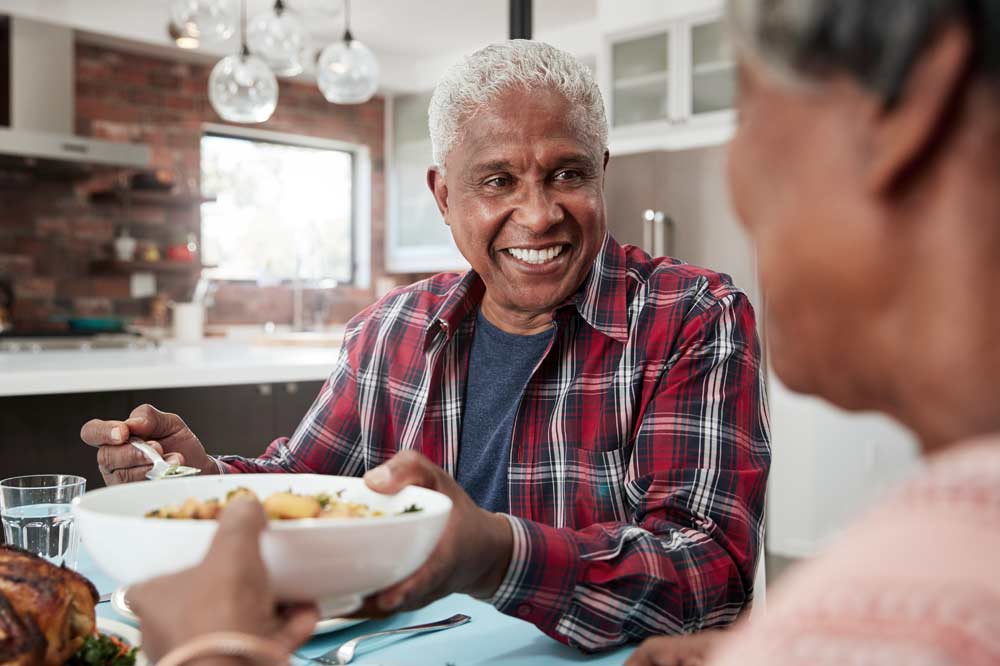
{"x":41,"y":434}
{"x":669,"y":84}
{"x":635,"y":184}
{"x":417,"y":239}
{"x":688,"y":187}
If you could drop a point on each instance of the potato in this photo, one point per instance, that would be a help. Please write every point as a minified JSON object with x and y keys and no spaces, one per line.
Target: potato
{"x":208,"y":510}
{"x":241,"y":492}
{"x":289,"y":506}
{"x":189,"y":509}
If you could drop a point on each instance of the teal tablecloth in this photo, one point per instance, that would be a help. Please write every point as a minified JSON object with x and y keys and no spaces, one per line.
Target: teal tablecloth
{"x":490,"y":638}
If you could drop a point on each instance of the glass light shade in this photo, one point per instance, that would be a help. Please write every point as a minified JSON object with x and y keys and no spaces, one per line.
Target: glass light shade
{"x":181,"y":38}
{"x":210,"y":21}
{"x":347,"y":72}
{"x":243,"y":89}
{"x":280,"y":40}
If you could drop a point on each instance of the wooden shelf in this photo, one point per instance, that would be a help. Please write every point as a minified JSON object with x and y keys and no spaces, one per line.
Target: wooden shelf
{"x":147,"y":198}
{"x":166,"y":266}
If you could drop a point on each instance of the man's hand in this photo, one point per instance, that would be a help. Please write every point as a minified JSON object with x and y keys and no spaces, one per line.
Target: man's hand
{"x":167,"y":433}
{"x":687,"y":650}
{"x":472,"y":555}
{"x":229,"y":591}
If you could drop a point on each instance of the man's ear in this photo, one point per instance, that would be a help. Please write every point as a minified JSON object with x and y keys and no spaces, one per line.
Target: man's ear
{"x":439,"y":189}
{"x":908,"y":131}
{"x":607,"y":156}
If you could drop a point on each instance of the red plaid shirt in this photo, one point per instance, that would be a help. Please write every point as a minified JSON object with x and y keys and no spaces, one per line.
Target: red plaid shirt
{"x":639,"y":453}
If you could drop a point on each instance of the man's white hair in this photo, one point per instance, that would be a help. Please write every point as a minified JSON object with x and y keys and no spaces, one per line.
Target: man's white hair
{"x":481,"y":77}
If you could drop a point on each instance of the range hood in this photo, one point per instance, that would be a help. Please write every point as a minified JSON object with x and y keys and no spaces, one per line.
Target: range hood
{"x":37,"y":103}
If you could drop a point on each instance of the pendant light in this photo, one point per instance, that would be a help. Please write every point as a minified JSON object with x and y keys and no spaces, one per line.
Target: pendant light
{"x":280,"y":39}
{"x":182,"y":38}
{"x":347,"y":71}
{"x":242,"y":88}
{"x":206,"y":21}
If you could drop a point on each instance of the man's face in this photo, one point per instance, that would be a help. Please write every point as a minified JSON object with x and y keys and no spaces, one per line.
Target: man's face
{"x":796,"y":180}
{"x":524,"y":199}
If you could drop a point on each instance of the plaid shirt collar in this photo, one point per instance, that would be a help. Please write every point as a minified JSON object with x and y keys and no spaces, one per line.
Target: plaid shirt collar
{"x":601,"y":300}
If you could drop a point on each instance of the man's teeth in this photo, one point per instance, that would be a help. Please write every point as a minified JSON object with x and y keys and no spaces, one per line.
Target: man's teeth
{"x":536,"y":256}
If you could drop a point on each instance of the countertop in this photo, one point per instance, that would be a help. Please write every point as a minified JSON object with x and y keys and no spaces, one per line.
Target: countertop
{"x":208,"y":363}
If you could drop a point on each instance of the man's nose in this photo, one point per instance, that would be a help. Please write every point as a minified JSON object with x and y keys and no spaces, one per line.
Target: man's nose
{"x":539,"y":211}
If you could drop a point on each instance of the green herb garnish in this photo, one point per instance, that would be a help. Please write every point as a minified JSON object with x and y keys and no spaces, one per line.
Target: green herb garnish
{"x":103,"y":650}
{"x":413,"y":508}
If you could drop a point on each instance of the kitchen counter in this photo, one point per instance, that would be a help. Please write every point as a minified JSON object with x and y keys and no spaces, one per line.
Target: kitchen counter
{"x":210,"y":363}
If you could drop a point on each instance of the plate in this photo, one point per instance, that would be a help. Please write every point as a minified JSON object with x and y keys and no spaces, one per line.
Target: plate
{"x":124,"y":633}
{"x":324,"y":626}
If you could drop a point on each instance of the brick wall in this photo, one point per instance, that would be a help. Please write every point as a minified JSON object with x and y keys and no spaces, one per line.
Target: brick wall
{"x":50,"y":233}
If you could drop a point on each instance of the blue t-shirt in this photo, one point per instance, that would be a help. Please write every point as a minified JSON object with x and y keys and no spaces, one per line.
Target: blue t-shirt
{"x":500,"y":365}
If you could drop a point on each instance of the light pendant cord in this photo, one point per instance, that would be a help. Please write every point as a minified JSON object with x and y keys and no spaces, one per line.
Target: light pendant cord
{"x":347,"y":21}
{"x":244,"y":50}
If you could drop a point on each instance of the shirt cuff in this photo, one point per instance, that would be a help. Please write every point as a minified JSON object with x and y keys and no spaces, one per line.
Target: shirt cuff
{"x":542,"y":576}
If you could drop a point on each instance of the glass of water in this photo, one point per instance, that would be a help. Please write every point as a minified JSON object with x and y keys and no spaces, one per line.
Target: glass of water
{"x":37,"y":515}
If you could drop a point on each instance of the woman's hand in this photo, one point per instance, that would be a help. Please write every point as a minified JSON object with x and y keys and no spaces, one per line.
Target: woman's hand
{"x":229,"y":591}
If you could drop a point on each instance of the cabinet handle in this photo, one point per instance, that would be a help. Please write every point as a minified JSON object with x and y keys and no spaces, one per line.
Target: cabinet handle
{"x":291,"y":388}
{"x":264,"y":389}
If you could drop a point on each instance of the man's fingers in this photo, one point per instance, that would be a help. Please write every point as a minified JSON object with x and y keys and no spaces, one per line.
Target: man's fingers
{"x":113,"y":457}
{"x":298,"y":623}
{"x":125,"y":475}
{"x":416,"y":590}
{"x":100,"y":433}
{"x":174,"y":458}
{"x":407,"y":468}
{"x":147,"y":421}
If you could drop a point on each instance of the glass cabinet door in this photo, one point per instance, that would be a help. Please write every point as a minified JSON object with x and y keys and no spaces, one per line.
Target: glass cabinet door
{"x":417,"y":238}
{"x":640,"y":79}
{"x":713,"y":82}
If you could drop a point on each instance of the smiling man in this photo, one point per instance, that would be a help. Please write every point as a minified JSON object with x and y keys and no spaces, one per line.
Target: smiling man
{"x":597,"y":416}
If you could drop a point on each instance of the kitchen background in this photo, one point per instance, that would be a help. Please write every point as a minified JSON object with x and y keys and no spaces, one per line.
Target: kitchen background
{"x":282,"y":230}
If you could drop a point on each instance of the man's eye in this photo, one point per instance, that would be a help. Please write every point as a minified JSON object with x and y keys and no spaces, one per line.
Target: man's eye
{"x":568,"y":174}
{"x":498,"y":181}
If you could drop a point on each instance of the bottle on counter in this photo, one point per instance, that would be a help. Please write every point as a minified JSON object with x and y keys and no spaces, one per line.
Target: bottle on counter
{"x":125,"y":245}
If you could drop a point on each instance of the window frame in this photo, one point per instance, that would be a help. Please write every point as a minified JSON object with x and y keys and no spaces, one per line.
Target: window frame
{"x":361,"y":204}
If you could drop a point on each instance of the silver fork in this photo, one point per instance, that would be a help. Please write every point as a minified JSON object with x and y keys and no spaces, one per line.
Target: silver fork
{"x":345,"y":653}
{"x":161,"y":468}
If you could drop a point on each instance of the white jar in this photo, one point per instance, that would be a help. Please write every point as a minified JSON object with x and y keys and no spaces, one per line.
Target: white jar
{"x":189,"y":322}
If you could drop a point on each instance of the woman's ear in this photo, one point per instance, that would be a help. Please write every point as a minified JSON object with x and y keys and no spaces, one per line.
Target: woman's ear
{"x":908,"y":130}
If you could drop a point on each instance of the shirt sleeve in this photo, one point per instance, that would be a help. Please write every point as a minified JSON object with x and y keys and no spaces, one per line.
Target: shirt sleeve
{"x":695,"y":487}
{"x":327,"y":440}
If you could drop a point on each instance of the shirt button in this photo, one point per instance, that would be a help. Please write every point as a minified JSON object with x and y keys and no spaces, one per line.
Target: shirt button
{"x":524,"y":610}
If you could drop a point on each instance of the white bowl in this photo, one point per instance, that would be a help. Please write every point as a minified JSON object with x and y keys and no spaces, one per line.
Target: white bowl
{"x":336,"y":561}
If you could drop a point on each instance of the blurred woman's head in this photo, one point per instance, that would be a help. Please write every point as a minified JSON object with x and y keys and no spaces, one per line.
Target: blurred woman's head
{"x":865,"y":166}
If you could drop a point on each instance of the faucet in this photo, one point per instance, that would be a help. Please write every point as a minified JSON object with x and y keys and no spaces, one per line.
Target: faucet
{"x":298,"y":323}
{"x":321,"y":307}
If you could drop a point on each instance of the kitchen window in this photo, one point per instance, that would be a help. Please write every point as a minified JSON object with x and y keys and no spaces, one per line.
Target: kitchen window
{"x":285,"y":207}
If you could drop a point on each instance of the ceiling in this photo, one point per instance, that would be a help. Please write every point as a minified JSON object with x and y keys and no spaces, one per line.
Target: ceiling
{"x":412,"y":38}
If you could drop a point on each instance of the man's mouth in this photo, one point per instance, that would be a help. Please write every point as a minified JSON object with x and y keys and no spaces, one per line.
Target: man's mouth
{"x":534,"y":256}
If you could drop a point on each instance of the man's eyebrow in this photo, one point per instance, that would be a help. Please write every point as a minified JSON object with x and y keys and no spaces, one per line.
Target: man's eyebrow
{"x":490,"y":167}
{"x":582,"y":159}
{"x":569,"y":159}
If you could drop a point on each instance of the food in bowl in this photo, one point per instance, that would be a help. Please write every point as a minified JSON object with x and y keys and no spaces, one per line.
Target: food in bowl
{"x":334,"y":562}
{"x":284,"y":505}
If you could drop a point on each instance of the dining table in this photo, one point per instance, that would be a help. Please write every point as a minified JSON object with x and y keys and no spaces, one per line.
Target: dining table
{"x":490,"y":637}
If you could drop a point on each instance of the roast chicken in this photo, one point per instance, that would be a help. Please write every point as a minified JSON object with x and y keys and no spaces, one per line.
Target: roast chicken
{"x":46,"y":612}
